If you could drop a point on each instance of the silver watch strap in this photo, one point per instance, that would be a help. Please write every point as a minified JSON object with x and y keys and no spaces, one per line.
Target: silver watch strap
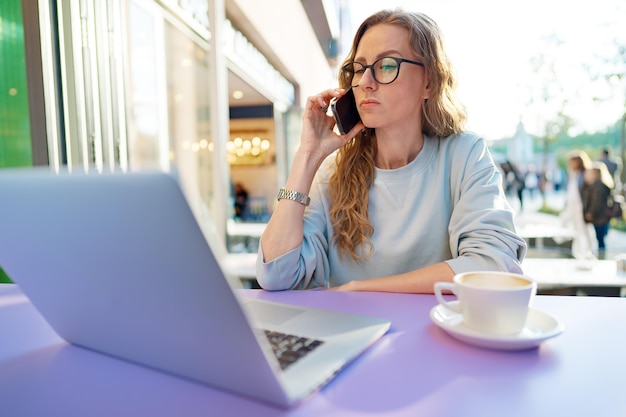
{"x":283,"y":193}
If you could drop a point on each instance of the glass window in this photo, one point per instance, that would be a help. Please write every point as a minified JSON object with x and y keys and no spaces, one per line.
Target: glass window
{"x":147,"y":123}
{"x":190,"y":142}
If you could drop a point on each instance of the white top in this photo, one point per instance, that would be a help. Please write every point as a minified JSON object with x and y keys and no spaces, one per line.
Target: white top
{"x":446,"y":205}
{"x":572,"y":217}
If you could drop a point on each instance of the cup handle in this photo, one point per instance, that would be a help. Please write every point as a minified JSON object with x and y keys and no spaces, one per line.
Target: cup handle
{"x":439,"y":287}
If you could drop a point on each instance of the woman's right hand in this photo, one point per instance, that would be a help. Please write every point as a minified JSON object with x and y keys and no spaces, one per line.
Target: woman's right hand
{"x":284,"y":231}
{"x":318,"y":136}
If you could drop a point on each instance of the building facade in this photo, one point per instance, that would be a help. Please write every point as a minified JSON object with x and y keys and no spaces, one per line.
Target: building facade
{"x":211,"y":90}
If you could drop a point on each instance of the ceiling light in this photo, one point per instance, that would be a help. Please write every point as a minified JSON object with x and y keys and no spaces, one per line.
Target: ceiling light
{"x":246,"y":151}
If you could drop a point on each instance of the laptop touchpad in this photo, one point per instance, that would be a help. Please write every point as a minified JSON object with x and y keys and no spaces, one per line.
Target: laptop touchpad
{"x":271,"y":313}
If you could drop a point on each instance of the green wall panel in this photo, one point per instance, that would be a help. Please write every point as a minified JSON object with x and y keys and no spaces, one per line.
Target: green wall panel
{"x":15,"y":143}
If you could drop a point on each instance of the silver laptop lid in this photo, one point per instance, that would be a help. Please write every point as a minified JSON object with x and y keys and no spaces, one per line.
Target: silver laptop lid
{"x":107,"y":260}
{"x":117,"y":263}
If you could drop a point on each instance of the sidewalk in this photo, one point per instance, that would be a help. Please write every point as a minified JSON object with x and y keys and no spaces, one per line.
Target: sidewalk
{"x":615,"y":240}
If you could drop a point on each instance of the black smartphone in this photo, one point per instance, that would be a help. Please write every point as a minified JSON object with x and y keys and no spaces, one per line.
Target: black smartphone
{"x":345,"y":112}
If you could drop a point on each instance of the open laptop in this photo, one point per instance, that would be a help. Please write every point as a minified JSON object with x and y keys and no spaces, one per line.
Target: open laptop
{"x":117,"y":263}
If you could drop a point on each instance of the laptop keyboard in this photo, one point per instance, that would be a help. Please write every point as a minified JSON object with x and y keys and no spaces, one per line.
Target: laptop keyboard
{"x":288,"y":348}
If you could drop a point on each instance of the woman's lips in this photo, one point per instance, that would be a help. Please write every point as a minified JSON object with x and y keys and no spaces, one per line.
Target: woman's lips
{"x":368,"y":103}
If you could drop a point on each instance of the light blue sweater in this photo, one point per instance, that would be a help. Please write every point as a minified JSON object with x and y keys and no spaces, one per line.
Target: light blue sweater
{"x":446,"y":205}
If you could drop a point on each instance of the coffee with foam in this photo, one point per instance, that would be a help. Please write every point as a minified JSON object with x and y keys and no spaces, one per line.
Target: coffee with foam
{"x":495,"y":281}
{"x":489,"y":301}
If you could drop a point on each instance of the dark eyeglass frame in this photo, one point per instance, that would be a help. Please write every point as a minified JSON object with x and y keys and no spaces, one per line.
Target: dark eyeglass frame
{"x":399,"y":61}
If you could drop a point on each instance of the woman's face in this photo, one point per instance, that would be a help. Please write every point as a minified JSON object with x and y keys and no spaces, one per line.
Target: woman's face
{"x":574,"y":164}
{"x":398,"y":103}
{"x":591,"y":175}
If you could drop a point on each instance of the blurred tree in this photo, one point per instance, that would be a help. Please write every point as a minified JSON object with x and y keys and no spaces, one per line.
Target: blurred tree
{"x":549,"y":96}
{"x":608,"y":67}
{"x":615,"y":76}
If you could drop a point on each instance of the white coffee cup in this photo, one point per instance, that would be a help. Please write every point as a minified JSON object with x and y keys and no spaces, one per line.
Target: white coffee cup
{"x":491,"y":302}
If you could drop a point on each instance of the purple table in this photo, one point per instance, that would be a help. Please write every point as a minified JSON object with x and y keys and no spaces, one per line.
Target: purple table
{"x":415,"y":370}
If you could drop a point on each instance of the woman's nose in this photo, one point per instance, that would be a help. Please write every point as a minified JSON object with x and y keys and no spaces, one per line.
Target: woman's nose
{"x":367,"y":81}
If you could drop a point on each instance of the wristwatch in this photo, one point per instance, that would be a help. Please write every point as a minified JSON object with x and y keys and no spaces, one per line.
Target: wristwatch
{"x":283,"y":193}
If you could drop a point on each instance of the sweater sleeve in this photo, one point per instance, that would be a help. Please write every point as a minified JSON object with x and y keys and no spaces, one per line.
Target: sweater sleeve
{"x":481,"y":229}
{"x":306,"y":266}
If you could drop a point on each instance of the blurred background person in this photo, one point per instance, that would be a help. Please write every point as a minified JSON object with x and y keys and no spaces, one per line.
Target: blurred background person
{"x":596,"y":190}
{"x":531,"y":180}
{"x":572,"y":214}
{"x":514,"y":181}
{"x":610,"y":164}
{"x":241,"y":201}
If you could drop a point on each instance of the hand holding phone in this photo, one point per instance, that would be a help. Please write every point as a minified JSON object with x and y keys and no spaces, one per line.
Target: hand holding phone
{"x":345,"y":112}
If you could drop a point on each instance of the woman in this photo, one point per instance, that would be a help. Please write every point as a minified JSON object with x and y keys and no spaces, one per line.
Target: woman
{"x":595,"y":195}
{"x":408,"y":199}
{"x":572,"y":214}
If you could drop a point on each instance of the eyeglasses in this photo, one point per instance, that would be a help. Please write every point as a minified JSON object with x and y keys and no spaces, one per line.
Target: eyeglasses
{"x":385,"y":70}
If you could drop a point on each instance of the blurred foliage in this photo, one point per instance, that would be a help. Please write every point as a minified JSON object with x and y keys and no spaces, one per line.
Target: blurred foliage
{"x":562,"y":145}
{"x":549,"y":210}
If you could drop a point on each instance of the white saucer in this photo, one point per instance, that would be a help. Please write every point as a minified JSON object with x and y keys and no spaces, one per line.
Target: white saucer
{"x":539,"y":327}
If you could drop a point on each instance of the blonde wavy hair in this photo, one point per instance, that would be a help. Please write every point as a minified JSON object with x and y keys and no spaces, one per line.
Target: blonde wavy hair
{"x":442,"y":115}
{"x":603,"y":173}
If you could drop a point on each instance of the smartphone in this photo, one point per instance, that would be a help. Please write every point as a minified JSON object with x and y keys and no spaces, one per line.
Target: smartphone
{"x":345,"y":112}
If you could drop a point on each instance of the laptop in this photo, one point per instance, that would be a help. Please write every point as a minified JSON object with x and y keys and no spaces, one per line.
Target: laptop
{"x":117,"y":263}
